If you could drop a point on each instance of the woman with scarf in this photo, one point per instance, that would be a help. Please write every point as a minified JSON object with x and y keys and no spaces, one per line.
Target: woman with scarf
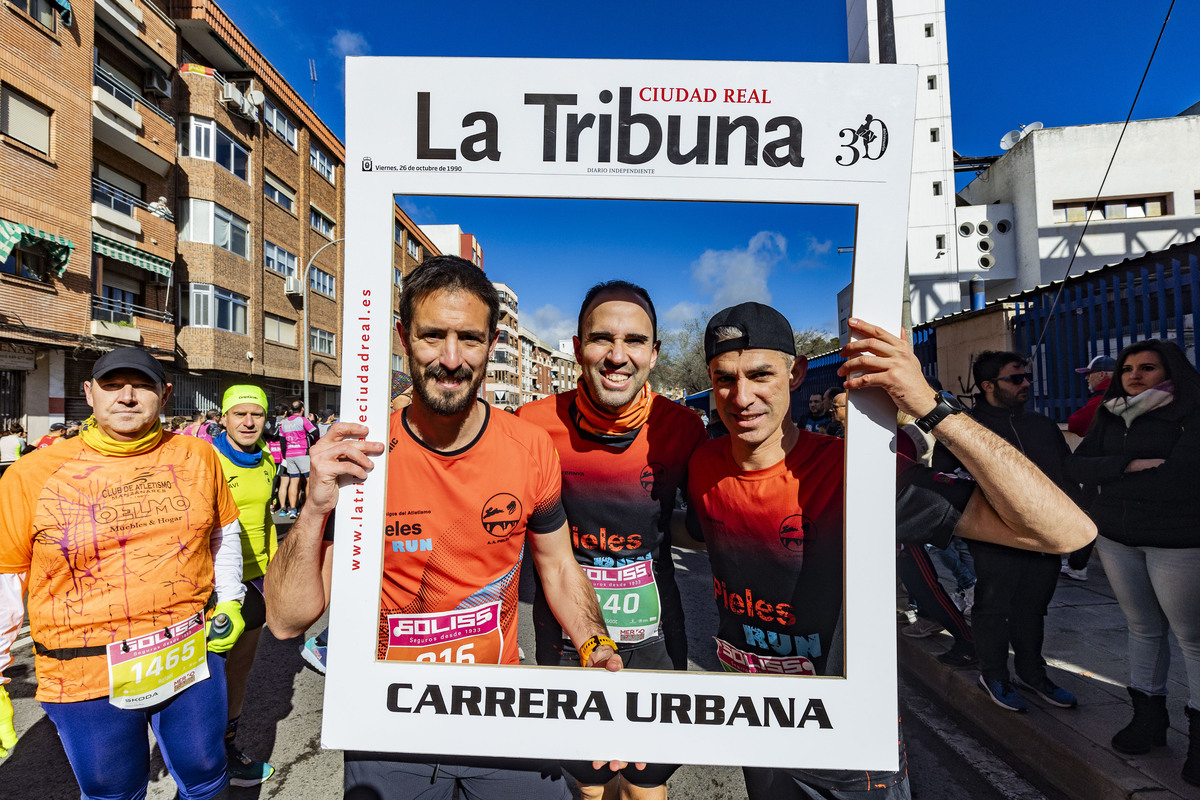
{"x":1142,"y":453}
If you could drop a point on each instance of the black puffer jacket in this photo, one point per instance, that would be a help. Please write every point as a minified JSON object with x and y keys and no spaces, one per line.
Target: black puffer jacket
{"x":1158,"y":507}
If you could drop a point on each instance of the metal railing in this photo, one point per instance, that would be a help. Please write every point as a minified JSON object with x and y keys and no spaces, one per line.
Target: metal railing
{"x":105,"y":309}
{"x":123,"y":202}
{"x":122,"y":92}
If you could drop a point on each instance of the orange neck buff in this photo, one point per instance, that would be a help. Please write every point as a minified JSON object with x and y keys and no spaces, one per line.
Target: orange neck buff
{"x":601,"y":421}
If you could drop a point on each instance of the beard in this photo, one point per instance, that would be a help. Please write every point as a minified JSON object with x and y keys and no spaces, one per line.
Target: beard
{"x":444,"y":403}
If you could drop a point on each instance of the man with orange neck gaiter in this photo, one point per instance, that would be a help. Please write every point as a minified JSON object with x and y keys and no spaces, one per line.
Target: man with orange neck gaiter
{"x":624,"y":452}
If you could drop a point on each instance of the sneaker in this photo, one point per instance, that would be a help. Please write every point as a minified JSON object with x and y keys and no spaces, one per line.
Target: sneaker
{"x":961,"y":654}
{"x":314,"y":654}
{"x":922,"y":628}
{"x":1051,"y":692}
{"x":244,"y":771}
{"x":1003,"y":694}
{"x":293,"y":513}
{"x":1075,"y":574}
{"x":905,"y":616}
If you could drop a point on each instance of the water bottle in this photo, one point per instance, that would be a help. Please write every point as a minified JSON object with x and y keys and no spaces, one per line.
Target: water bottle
{"x":221,"y":626}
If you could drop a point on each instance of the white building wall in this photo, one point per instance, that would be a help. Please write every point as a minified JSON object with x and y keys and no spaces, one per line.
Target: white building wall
{"x":1054,"y":165}
{"x":920,"y":32}
{"x":445,"y":238}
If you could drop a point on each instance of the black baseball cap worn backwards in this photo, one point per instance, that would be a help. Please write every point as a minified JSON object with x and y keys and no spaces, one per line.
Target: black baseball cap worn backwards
{"x":134,"y":358}
{"x":763,"y":327}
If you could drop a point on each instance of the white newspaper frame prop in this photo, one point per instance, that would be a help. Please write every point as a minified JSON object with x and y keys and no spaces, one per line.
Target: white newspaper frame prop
{"x":444,"y":126}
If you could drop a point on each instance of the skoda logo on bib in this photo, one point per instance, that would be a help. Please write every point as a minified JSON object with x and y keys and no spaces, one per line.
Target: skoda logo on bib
{"x":501,"y":515}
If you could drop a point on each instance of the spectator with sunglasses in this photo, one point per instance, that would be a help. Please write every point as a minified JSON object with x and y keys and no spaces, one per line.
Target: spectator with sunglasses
{"x":1014,"y":587}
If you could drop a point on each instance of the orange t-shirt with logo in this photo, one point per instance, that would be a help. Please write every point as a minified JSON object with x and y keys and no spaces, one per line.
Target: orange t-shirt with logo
{"x":115,"y":548}
{"x":454,"y":538}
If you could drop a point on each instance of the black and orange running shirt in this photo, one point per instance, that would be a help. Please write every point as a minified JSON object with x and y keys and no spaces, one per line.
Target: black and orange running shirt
{"x":619,"y":493}
{"x":775,"y":540}
{"x":454,"y":538}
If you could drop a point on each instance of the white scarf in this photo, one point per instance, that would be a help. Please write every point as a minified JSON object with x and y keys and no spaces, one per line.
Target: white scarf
{"x":1130,"y":408}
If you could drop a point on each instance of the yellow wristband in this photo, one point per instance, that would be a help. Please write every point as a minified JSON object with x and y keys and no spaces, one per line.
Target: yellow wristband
{"x":589,"y":647}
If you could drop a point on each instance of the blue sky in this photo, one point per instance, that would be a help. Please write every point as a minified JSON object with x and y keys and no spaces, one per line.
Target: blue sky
{"x":1061,"y":63}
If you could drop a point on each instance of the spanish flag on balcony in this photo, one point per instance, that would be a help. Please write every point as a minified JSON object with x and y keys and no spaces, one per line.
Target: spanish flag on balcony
{"x":16,"y":234}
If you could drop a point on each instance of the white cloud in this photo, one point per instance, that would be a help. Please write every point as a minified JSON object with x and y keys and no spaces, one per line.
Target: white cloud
{"x":818,"y":248}
{"x":349,"y":43}
{"x":739,"y":275}
{"x":551,"y":324}
{"x":680,"y":313}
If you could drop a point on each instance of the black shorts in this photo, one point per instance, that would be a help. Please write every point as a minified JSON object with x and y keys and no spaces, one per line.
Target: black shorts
{"x":254,"y":605}
{"x":383,"y":776}
{"x":651,"y":656}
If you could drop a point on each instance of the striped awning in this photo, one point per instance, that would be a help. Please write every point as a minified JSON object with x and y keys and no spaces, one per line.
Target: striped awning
{"x":131,"y":255}
{"x":16,"y":234}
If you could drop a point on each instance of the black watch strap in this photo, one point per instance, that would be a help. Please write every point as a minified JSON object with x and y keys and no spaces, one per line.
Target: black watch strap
{"x":942,"y":410}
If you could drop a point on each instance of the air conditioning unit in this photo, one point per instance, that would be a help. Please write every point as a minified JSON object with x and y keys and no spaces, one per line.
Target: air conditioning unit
{"x":231,"y":97}
{"x":157,"y":83}
{"x":293,"y":286}
{"x":247,"y":109}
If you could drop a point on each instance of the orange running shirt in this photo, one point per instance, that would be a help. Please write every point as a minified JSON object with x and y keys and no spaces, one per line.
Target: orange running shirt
{"x":454,"y":538}
{"x":115,"y":547}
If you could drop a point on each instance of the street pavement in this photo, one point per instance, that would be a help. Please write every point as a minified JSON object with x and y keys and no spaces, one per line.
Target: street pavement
{"x":1069,"y":749}
{"x":1064,"y":749}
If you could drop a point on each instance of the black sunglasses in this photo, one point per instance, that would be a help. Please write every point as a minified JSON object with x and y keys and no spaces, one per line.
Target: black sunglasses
{"x":1018,"y":379}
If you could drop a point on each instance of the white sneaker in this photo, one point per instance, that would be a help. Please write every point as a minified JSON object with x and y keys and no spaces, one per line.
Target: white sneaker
{"x":965,"y":600}
{"x":922,"y":628}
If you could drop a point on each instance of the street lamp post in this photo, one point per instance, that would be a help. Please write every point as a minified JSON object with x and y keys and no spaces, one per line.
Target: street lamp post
{"x":306,"y":336}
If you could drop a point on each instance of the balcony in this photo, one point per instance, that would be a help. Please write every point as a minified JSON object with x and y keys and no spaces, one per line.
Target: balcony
{"x":133,"y":324}
{"x":118,"y":121}
{"x":114,"y":215}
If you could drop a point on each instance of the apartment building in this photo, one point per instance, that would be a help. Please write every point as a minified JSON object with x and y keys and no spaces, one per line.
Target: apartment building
{"x":161,"y":184}
{"x":452,"y":240}
{"x":260,"y":200}
{"x":411,"y":247}
{"x":503,"y":386}
{"x":535,"y":366}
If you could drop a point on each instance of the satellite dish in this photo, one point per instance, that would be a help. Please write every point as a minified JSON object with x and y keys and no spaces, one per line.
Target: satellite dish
{"x":1030,"y":128}
{"x":1010,"y":140}
{"x":256,"y":97}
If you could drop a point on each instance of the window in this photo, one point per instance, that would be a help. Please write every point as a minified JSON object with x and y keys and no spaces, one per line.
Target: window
{"x":398,"y":233}
{"x":1111,"y":208}
{"x":940,"y":241}
{"x":25,"y":263}
{"x":274,"y":119}
{"x":937,"y":188}
{"x":24,"y":120}
{"x":1197,"y":200}
{"x":208,"y":223}
{"x":413,"y":249}
{"x":205,"y":139}
{"x":279,"y":191}
{"x":211,"y":306}
{"x":41,"y":10}
{"x":320,"y":341}
{"x":398,"y":277}
{"x":931,"y":82}
{"x":322,"y":223}
{"x":278,"y":329}
{"x":111,"y":188}
{"x":320,"y":162}
{"x":929,"y":30}
{"x":321,"y":281}
{"x":397,"y":362}
{"x":935,"y":134}
{"x":276,"y":259}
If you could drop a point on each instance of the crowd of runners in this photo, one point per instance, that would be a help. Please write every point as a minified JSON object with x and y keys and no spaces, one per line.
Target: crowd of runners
{"x":150,"y":561}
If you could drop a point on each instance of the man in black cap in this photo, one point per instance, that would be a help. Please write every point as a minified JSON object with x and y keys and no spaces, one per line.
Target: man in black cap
{"x":131,"y":541}
{"x":784,"y":487}
{"x":1098,"y":374}
{"x":57,"y":431}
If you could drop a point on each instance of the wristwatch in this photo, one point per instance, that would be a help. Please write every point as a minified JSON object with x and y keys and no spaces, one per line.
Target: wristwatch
{"x":944,"y":408}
